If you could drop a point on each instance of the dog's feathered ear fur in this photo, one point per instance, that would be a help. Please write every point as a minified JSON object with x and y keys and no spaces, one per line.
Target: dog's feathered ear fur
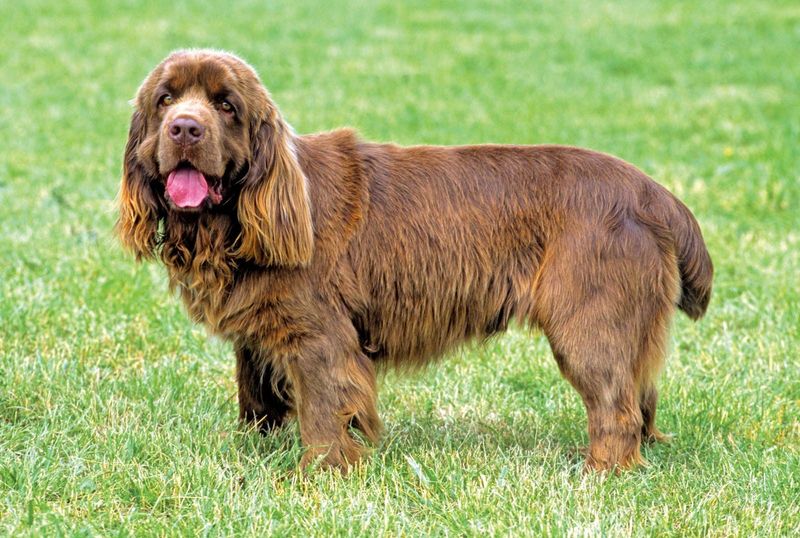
{"x":137,"y":225}
{"x":273,"y":208}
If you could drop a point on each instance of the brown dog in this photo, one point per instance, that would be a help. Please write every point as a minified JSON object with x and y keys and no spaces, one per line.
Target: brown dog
{"x":322,"y":256}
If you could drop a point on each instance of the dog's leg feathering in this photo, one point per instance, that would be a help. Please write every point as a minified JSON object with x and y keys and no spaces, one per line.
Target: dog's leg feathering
{"x":334,"y":386}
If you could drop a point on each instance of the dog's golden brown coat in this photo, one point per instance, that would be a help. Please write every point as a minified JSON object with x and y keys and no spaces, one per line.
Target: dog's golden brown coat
{"x":322,"y":256}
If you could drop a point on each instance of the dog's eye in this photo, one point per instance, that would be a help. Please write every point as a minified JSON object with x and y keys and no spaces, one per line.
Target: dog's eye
{"x":165,"y":100}
{"x":225,"y":106}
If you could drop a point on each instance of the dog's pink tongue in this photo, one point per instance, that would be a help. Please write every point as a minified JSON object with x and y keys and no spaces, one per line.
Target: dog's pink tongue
{"x":187,"y":187}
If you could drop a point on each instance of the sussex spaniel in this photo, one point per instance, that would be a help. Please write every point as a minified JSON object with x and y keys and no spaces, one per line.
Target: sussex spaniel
{"x":322,"y":257}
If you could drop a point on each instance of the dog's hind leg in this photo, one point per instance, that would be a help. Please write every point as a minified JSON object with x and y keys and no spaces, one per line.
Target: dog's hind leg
{"x":604,"y":300}
{"x":652,"y":358}
{"x":601,"y":375}
{"x":648,"y":399}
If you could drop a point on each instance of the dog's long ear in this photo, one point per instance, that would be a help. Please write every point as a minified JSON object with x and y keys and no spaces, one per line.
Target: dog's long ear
{"x":137,"y":225}
{"x":274,"y":209}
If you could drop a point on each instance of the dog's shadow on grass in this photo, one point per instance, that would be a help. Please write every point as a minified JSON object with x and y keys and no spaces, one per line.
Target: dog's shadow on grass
{"x":483,"y":437}
{"x":418,"y":439}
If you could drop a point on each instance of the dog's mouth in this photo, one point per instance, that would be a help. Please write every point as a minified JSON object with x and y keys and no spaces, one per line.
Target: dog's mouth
{"x":188,"y":187}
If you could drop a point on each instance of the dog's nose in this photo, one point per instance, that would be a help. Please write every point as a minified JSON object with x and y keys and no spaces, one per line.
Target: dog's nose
{"x":186,"y":131}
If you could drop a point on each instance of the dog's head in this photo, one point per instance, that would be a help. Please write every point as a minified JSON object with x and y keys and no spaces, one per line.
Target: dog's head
{"x":206,"y":137}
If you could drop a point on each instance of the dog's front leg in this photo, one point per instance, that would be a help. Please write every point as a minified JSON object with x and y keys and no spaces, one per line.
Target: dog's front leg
{"x":333,"y":384}
{"x":263,"y":397}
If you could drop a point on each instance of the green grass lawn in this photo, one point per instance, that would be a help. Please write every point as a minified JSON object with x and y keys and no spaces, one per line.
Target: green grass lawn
{"x":118,"y":416}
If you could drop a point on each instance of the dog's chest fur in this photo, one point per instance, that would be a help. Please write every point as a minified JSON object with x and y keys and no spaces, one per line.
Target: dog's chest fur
{"x":197,"y":252}
{"x":231,"y":297}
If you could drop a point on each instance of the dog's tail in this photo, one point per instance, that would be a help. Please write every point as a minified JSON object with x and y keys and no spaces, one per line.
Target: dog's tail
{"x":676,"y":230}
{"x":694,"y":262}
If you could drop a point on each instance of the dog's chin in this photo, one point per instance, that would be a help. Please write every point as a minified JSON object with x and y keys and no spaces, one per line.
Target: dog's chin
{"x":188,"y":211}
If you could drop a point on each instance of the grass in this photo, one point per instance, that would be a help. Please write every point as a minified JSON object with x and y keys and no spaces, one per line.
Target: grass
{"x":118,"y":416}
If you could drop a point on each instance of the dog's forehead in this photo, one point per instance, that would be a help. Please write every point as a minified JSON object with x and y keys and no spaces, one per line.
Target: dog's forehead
{"x":211,"y":73}
{"x":214,"y":71}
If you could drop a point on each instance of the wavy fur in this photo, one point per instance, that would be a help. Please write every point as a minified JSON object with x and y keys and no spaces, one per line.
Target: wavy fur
{"x":324,"y":257}
{"x":273,"y":208}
